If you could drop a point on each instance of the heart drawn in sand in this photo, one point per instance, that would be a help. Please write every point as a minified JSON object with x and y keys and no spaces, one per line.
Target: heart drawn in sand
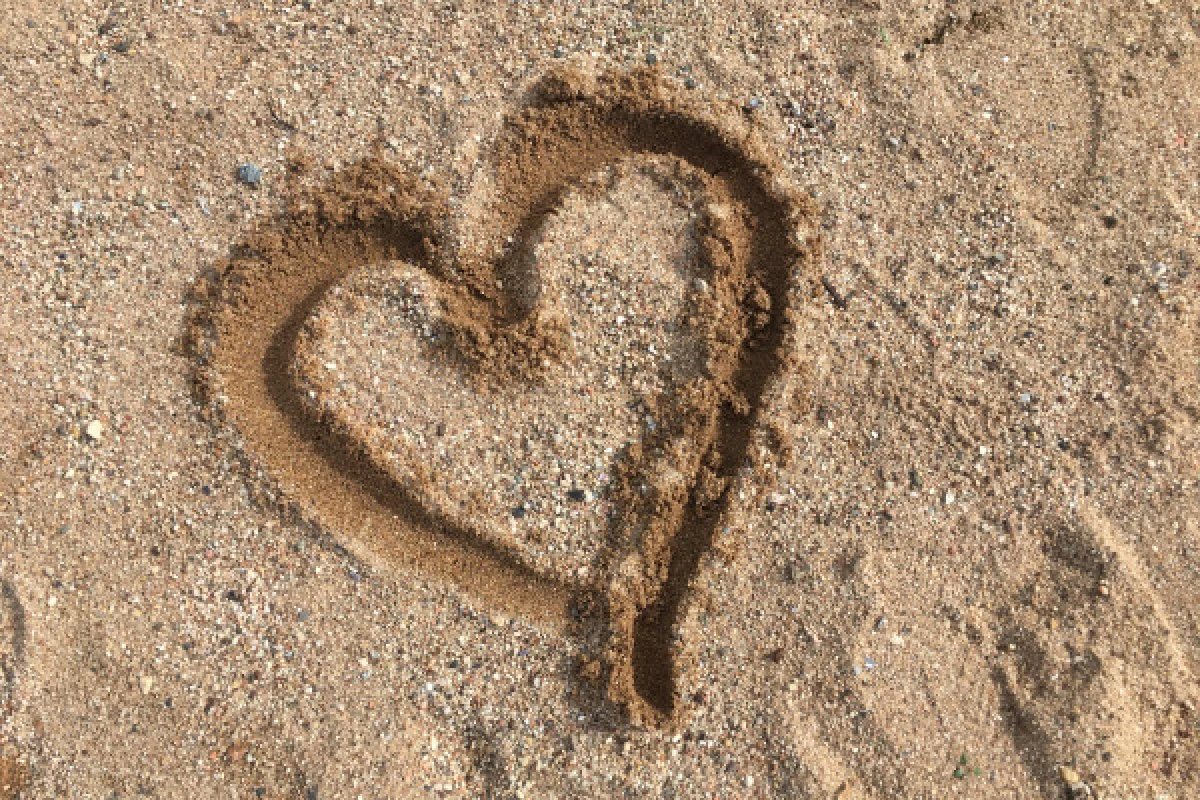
{"x":548,"y":449}
{"x":533,"y":464}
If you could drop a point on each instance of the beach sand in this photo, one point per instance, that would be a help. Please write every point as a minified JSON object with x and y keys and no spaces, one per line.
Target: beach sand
{"x":615,"y":399}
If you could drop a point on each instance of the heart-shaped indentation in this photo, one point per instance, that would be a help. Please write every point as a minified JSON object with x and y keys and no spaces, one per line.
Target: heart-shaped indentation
{"x":534,"y":465}
{"x":507,"y":351}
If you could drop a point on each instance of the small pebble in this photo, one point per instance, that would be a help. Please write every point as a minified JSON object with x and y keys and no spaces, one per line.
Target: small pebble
{"x":94,"y":430}
{"x":249,"y":174}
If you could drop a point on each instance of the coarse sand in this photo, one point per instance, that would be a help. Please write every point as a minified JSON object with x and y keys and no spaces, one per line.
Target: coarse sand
{"x":610,"y":399}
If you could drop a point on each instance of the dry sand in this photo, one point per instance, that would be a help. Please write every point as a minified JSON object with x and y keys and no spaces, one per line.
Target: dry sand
{"x":628,"y":399}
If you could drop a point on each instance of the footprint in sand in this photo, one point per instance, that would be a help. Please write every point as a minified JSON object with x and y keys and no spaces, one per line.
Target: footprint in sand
{"x":1071,"y":669}
{"x":1084,"y":640}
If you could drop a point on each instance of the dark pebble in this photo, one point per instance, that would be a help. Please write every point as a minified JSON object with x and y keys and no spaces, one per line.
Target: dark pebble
{"x":249,"y":174}
{"x":914,"y":478}
{"x":578,"y":495}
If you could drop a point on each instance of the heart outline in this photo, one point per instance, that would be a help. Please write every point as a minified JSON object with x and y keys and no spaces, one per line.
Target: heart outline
{"x":244,"y":328}
{"x":420,"y":311}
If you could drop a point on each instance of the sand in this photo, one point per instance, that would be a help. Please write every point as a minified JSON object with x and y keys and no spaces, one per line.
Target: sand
{"x":647,"y":400}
